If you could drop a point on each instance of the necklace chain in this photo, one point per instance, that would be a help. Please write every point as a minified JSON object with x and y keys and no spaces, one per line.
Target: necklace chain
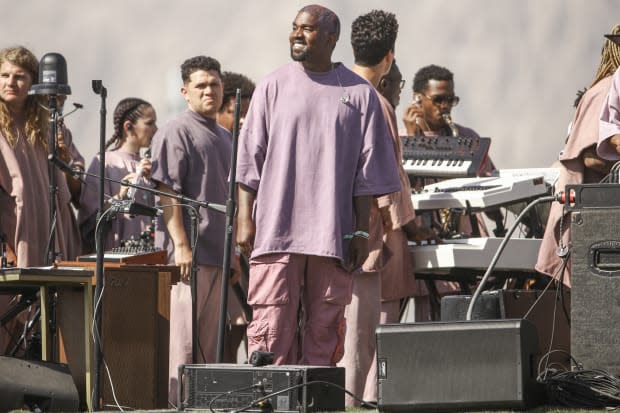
{"x":345,"y":95}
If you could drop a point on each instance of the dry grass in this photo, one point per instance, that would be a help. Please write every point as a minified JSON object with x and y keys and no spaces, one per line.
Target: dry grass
{"x":542,"y":409}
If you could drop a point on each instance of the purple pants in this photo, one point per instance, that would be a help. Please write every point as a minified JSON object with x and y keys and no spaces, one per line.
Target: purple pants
{"x":298,"y":306}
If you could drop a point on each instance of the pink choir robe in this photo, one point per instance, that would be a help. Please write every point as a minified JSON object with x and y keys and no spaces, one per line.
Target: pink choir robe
{"x":584,"y":133}
{"x":25,"y":210}
{"x":609,"y":121}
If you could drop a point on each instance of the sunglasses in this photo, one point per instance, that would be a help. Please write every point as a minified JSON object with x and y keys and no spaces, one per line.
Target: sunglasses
{"x":401,"y":84}
{"x":439,"y":100}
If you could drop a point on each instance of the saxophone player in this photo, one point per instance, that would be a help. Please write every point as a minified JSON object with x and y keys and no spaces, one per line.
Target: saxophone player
{"x":430,"y":115}
{"x":433,"y":100}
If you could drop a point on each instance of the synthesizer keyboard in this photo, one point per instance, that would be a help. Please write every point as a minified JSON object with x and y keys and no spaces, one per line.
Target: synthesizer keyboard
{"x":520,"y":254}
{"x":443,"y":156}
{"x":129,"y":257}
{"x":483,"y":192}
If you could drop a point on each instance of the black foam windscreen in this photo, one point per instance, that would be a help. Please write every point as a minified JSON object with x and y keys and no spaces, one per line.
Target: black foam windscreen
{"x":52,"y":76}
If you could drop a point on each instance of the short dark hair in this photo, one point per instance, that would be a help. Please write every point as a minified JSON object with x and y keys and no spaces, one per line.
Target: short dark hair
{"x":232,"y":82}
{"x":328,"y":19}
{"x":373,"y":35}
{"x":196,"y":63}
{"x":434,"y":72}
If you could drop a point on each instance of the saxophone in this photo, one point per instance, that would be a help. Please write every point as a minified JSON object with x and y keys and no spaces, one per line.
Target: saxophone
{"x":448,"y":119}
{"x":447,"y":217}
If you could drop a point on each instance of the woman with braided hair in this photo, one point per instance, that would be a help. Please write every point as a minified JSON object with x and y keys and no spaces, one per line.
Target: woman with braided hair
{"x":134,"y":127}
{"x":579,"y":163}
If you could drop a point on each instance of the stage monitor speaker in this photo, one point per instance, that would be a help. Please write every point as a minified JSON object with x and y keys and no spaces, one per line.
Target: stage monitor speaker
{"x":548,"y":311}
{"x":454,"y":366}
{"x":595,"y":288}
{"x":36,"y":384}
{"x":454,"y":307}
{"x":234,"y":386}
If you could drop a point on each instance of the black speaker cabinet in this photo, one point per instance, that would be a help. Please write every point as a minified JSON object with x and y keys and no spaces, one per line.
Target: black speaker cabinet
{"x":453,"y":366}
{"x":549,"y":311}
{"x":454,"y":307}
{"x":283,"y":388}
{"x":595,"y":285}
{"x":49,"y":386}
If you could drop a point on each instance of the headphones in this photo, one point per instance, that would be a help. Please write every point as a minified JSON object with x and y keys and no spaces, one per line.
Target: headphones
{"x":129,"y":126}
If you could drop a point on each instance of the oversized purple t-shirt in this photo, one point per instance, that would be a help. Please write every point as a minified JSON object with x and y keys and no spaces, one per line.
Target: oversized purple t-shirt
{"x":191,"y":154}
{"x":609,"y":124}
{"x":309,"y":144}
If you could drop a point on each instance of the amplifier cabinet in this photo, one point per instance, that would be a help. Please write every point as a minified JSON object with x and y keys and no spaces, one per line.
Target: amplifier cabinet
{"x":454,"y":366}
{"x":595,"y":287}
{"x":547,"y":310}
{"x":134,"y":335}
{"x":234,"y":386}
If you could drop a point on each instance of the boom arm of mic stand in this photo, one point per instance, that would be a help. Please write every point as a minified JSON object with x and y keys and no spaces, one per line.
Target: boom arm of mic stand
{"x":77,"y":172}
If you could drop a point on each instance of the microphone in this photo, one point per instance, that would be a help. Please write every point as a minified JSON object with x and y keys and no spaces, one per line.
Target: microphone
{"x":52,"y":75}
{"x":145,"y":153}
{"x":128,"y":206}
{"x":75,"y":172}
{"x":76,"y":106}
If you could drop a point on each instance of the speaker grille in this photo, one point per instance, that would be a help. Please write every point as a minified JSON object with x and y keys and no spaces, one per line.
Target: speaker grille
{"x":595,"y":285}
{"x":456,"y":365}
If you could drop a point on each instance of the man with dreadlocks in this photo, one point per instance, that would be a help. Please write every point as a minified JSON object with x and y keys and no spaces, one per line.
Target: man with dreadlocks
{"x":609,"y":124}
{"x":578,"y":163}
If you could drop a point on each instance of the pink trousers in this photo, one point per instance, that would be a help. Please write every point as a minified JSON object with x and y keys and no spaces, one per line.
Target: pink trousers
{"x":298,"y":306}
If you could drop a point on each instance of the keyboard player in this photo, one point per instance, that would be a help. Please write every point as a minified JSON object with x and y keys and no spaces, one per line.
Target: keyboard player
{"x":430,"y":115}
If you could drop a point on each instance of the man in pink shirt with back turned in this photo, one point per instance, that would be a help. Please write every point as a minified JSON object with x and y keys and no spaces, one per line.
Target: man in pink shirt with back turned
{"x":312,"y":153}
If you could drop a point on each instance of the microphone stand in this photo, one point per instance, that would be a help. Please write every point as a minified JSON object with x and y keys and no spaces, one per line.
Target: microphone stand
{"x":53,"y":187}
{"x":51,"y":253}
{"x":230,"y":216}
{"x":100,"y":235}
{"x":100,"y":90}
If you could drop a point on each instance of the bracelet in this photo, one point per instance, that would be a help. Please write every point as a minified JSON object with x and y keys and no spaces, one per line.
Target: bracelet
{"x":358,"y":233}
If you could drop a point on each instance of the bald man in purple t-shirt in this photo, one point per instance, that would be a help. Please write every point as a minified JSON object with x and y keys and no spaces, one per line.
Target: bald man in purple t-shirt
{"x":313,"y":150}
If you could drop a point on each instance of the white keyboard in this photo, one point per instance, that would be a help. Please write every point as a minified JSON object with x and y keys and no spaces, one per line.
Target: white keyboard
{"x":481,"y":193}
{"x":476,"y":254}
